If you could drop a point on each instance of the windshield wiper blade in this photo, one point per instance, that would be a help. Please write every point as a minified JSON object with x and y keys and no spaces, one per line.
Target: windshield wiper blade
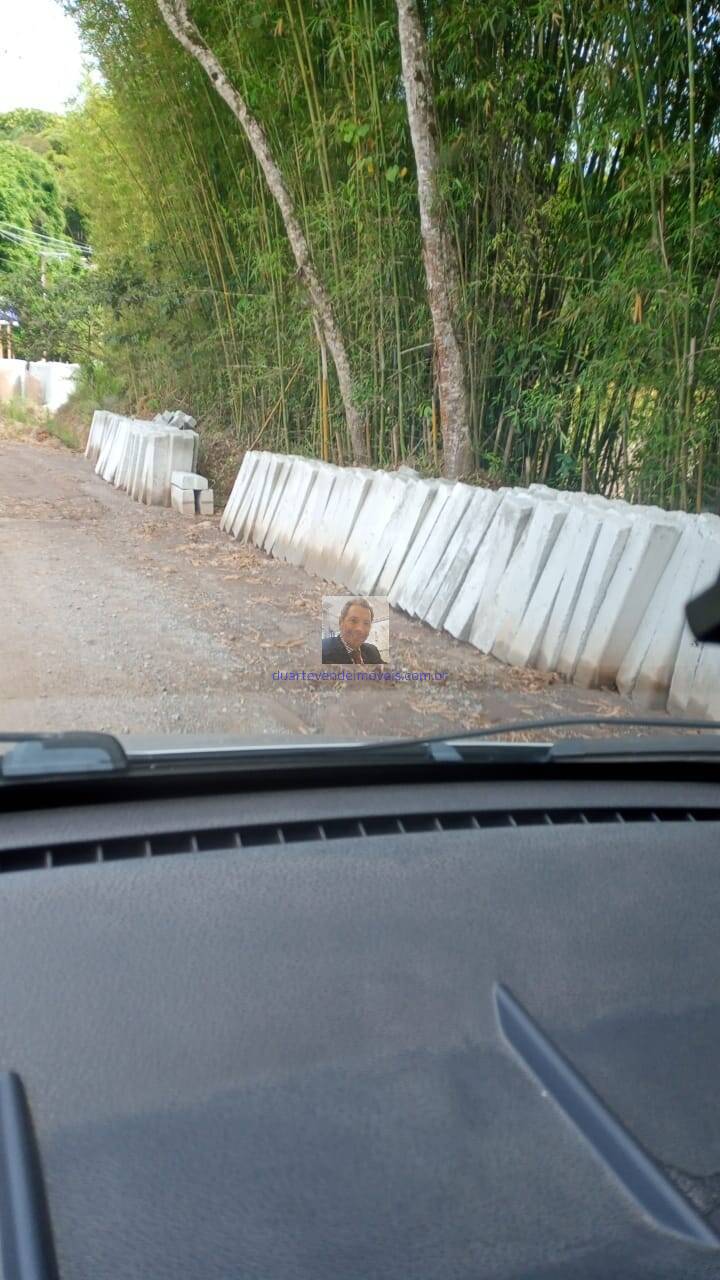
{"x":559,"y":722}
{"x":40,"y":755}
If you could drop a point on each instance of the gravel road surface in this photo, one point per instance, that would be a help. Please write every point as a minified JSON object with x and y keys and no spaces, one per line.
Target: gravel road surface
{"x":136,"y":620}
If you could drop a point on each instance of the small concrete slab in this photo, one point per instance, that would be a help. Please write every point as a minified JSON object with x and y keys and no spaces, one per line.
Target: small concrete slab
{"x":204,"y":501}
{"x":488,"y":565}
{"x":189,"y":480}
{"x":182,"y":500}
{"x":627,"y":596}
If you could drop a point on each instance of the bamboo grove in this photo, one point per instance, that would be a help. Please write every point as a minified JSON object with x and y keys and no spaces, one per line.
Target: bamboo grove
{"x":579,"y":153}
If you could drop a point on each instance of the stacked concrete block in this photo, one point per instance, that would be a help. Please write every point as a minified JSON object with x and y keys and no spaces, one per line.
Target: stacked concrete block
{"x":167,"y":451}
{"x":458,"y":556}
{"x":309,"y":530}
{"x":239,"y":489}
{"x":404,"y":530}
{"x":282,"y":530}
{"x":645,"y":673}
{"x":555,"y":588}
{"x":577,"y":545}
{"x":647,"y":551}
{"x":140,"y":456}
{"x":440,"y":496}
{"x":416,"y":587}
{"x":499,"y":624}
{"x":274,"y":500}
{"x":343,"y":508}
{"x":190,"y":494}
{"x":466,"y":618}
{"x":570,"y":582}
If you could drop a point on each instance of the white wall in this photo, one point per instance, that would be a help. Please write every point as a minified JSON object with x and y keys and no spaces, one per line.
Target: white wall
{"x":46,"y":383}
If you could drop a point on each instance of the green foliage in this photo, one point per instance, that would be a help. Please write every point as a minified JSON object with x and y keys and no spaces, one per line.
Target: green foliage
{"x":29,"y":198}
{"x":63,"y":320}
{"x":584,"y":211}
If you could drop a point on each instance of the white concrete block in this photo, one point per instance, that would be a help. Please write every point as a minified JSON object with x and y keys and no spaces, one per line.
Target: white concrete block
{"x":579,"y":536}
{"x":404,"y":530}
{"x":704,"y":698}
{"x":371,"y":554}
{"x":182,"y":500}
{"x":488,"y":565}
{"x":609,"y":547}
{"x":418,"y":586}
{"x":246,"y":507}
{"x":556,"y":589}
{"x":367,"y":540}
{"x":167,"y":451}
{"x":189,"y":480}
{"x":275,"y":490}
{"x":204,"y":501}
{"x":415,"y":550}
{"x":242,"y":480}
{"x":281,"y":531}
{"x":95,"y":435}
{"x":107,"y":443}
{"x":460,"y":552}
{"x":309,"y":532}
{"x":646,"y":671}
{"x":343,"y":510}
{"x":272,"y":476}
{"x":499,"y":622}
{"x":689,"y":650}
{"x":647,"y":551}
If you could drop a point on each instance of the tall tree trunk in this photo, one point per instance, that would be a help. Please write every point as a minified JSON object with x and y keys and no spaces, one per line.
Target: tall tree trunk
{"x":184,"y":30}
{"x":441,"y":264}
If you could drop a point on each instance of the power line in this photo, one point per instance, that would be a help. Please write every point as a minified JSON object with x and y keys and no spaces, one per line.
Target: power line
{"x":51,"y":246}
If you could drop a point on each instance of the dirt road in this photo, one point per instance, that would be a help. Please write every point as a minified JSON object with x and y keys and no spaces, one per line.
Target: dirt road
{"x":136,"y":620}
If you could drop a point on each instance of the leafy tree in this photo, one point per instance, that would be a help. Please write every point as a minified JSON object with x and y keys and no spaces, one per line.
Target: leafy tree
{"x":29,"y":199}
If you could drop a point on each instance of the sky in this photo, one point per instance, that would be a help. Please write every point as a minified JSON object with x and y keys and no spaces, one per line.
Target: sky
{"x":41,"y":61}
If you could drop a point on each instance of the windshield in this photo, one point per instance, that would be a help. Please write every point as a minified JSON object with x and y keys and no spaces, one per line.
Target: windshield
{"x":359,"y":366}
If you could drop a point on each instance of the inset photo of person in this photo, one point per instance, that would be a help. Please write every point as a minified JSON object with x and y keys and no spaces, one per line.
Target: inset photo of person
{"x":356,"y":630}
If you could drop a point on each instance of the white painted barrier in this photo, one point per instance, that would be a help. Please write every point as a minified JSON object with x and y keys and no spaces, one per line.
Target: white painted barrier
{"x":139,"y":456}
{"x":590,"y":587}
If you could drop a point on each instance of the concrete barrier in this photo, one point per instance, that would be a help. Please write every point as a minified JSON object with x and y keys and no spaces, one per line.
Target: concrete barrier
{"x":140,"y":456}
{"x":590,"y":587}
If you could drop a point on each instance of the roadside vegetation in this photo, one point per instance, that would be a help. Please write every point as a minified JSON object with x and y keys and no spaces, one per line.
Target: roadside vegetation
{"x":566,"y":158}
